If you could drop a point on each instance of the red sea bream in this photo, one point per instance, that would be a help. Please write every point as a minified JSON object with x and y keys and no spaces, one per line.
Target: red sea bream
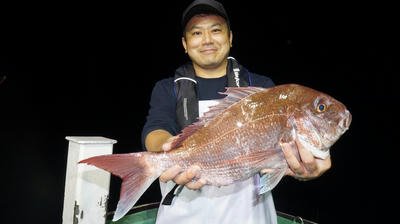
{"x":237,"y":138}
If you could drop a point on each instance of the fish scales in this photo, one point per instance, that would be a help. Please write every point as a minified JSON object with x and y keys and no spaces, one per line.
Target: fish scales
{"x":231,"y":140}
{"x":237,"y":138}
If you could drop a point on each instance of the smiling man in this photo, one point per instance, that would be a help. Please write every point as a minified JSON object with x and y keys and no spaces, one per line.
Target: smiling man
{"x":207,"y":41}
{"x":177,"y":102}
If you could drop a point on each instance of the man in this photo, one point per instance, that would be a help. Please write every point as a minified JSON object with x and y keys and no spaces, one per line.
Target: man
{"x":177,"y":102}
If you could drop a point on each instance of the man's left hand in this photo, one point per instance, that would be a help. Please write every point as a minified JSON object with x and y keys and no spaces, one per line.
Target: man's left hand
{"x":305,"y":166}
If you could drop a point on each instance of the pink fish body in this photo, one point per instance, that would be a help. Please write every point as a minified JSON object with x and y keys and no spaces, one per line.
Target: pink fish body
{"x":237,"y":138}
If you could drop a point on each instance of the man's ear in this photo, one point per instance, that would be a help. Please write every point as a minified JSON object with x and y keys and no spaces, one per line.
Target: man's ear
{"x":230,"y":37}
{"x":184,"y":44}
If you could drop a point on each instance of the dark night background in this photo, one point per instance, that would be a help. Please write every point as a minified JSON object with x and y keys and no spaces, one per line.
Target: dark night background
{"x":88,"y":70}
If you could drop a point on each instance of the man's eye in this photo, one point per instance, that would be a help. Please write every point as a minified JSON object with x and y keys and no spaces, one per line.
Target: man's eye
{"x":196,"y":33}
{"x":216,"y":30}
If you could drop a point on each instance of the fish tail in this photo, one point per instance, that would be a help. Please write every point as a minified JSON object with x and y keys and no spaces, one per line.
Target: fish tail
{"x":135,"y":173}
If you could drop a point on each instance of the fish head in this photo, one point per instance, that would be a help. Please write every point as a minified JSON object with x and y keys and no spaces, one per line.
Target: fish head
{"x":320,"y":122}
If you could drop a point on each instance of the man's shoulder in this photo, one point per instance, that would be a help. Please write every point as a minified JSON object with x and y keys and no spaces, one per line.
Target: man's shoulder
{"x":165,"y":82}
{"x":164,"y":87}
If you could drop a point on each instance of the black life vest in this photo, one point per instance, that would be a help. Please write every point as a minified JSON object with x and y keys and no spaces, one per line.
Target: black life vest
{"x":187,"y":106}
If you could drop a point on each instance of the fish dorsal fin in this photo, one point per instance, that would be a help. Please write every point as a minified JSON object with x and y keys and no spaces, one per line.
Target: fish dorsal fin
{"x":233,"y":95}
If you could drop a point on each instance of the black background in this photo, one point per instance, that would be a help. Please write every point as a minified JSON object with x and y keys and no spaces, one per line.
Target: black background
{"x":88,"y":70}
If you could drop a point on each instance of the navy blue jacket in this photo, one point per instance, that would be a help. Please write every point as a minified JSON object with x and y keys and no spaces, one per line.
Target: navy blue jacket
{"x":162,"y":112}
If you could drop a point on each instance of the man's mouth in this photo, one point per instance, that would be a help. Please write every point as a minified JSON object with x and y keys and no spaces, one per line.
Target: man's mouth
{"x":208,"y":51}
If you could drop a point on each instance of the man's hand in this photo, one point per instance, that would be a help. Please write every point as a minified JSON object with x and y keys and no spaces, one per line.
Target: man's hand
{"x":182,"y":178}
{"x":304,"y":166}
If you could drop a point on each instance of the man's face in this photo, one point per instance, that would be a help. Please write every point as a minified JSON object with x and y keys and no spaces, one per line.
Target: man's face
{"x":208,"y":40}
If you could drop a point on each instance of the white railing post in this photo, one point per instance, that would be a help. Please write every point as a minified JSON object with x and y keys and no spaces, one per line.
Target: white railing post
{"x":86,"y":187}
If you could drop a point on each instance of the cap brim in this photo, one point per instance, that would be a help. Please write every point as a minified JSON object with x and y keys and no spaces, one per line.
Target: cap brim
{"x":201,"y":9}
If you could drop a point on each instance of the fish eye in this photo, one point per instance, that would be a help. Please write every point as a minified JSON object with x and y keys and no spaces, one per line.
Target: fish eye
{"x":321,"y":108}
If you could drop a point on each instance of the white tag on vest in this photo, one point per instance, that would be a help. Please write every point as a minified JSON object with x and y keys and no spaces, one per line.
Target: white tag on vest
{"x":204,"y":106}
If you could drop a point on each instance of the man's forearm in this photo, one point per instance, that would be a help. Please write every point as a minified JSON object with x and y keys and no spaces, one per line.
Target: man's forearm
{"x":155,"y":139}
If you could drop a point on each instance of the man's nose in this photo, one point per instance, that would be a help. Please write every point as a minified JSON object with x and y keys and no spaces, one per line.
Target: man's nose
{"x":207,"y":38}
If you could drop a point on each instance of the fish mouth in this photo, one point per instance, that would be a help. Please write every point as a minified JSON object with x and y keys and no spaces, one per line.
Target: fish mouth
{"x":344,"y":124}
{"x":349,"y":119}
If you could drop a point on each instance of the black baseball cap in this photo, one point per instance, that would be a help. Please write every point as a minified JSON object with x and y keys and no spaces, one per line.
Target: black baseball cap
{"x":203,"y":7}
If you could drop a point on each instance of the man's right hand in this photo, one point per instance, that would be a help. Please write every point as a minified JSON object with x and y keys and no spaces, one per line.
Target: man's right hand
{"x":175,"y":173}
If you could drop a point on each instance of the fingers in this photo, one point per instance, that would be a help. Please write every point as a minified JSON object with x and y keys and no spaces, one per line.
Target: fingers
{"x":324,"y":165}
{"x":187,"y":176}
{"x":184,"y":178}
{"x":296,"y":168}
{"x":307,"y":159}
{"x":195,"y":185}
{"x":289,"y":172}
{"x":305,"y":166}
{"x":264,"y":171}
{"x":168,"y":144}
{"x":170,"y":173}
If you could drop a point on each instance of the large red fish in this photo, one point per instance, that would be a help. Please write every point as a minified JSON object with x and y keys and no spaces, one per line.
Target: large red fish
{"x":236,"y":139}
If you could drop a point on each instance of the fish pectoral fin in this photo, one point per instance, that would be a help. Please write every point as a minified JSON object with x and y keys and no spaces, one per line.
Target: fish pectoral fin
{"x":271,"y":178}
